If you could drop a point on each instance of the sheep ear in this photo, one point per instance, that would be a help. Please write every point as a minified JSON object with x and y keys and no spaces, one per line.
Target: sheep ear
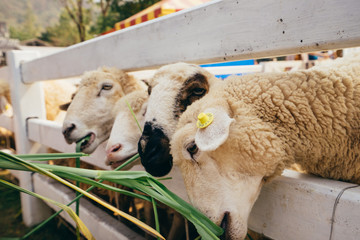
{"x":147,"y":85}
{"x":64,"y":106}
{"x":211,"y":137}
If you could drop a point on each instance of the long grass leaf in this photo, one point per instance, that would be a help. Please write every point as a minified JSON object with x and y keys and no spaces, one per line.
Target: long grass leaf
{"x":49,"y":156}
{"x":71,"y":213}
{"x":101,"y":185}
{"x":147,"y":184}
{"x":133,"y":114}
{"x":129,"y":161}
{"x":35,"y":168}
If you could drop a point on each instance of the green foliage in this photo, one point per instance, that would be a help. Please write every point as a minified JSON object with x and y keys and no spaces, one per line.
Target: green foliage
{"x":103,"y":24}
{"x":140,"y":181}
{"x":119,"y":10}
{"x":63,"y":33}
{"x":29,"y":27}
{"x":11,"y":219}
{"x":126,"y":9}
{"x":13,"y":11}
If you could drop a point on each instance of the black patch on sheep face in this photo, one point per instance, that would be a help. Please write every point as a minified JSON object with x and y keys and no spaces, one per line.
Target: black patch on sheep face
{"x":154,"y":150}
{"x":193,"y":89}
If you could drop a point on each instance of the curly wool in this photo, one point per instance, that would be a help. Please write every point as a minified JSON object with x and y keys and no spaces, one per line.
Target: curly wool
{"x":314,"y":116}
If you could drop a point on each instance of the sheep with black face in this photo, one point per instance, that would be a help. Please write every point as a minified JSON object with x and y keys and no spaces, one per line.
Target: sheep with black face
{"x":172,"y":89}
{"x":256,"y":125}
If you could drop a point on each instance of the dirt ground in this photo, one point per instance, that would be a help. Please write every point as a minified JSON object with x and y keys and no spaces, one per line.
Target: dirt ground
{"x":11,"y":225}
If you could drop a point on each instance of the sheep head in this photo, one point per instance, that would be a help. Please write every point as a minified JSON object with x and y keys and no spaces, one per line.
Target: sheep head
{"x":172,"y":89}
{"x":225,"y":164}
{"x":125,"y":134}
{"x":91,"y":112}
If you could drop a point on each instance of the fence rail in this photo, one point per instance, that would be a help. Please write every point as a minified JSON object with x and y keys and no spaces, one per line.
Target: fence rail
{"x":294,"y":206}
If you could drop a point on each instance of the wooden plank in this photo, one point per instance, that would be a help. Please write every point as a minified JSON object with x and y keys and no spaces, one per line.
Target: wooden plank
{"x":221,"y":30}
{"x":100,"y":224}
{"x":298,"y":206}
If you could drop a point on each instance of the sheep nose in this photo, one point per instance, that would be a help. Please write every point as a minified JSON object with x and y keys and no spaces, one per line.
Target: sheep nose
{"x":67,"y":131}
{"x":113,"y":149}
{"x":154,"y":150}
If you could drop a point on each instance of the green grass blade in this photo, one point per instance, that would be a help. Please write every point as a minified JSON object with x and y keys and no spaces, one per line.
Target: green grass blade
{"x":49,"y":156}
{"x":35,"y":167}
{"x":156,"y":216}
{"x":147,"y":184}
{"x":71,"y":213}
{"x":101,"y":185}
{"x":133,"y":114}
{"x":94,"y":184}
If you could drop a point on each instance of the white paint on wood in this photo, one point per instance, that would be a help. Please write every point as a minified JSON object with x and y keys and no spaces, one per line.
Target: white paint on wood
{"x":221,"y":30}
{"x":100,"y":224}
{"x":27,"y":101}
{"x":299,"y":206}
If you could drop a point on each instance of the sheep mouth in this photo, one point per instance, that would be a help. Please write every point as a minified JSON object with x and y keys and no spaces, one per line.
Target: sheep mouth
{"x":114,"y":163}
{"x":86,"y":141}
{"x":225,"y":226}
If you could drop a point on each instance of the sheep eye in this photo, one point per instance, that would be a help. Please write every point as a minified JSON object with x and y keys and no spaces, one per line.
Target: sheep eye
{"x":199,"y":91}
{"x":106,"y":86}
{"x":192,"y":149}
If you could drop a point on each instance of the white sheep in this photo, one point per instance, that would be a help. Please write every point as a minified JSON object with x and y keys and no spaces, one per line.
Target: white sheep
{"x":122,"y":144}
{"x":261,"y":124}
{"x":56,"y":93}
{"x":125,"y":133}
{"x":91,"y":112}
{"x":173,"y":88}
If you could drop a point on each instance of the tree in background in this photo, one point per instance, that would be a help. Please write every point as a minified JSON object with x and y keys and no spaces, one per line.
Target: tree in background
{"x":114,"y":11}
{"x":29,"y":27}
{"x":63,"y":33}
{"x":78,"y":14}
{"x":126,"y":9}
{"x":105,"y":7}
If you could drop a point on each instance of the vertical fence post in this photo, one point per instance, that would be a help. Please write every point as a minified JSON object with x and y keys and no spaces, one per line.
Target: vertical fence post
{"x":27,"y":101}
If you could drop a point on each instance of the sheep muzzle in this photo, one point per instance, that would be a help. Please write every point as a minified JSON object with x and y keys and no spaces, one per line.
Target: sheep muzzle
{"x":154,"y":151}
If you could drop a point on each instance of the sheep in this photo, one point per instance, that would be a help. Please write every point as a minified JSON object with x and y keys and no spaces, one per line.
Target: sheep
{"x":56,"y":93}
{"x":261,"y":124}
{"x":5,"y":99}
{"x":125,"y":133}
{"x":91,"y":112}
{"x":173,"y":88}
{"x":6,"y":136}
{"x":122,"y":144}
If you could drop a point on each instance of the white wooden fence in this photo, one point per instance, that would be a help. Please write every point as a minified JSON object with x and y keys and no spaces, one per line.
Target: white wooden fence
{"x":293,"y":206}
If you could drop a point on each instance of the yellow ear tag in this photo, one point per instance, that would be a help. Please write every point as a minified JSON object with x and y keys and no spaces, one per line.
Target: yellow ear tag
{"x":7,"y":106}
{"x":204,"y":120}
